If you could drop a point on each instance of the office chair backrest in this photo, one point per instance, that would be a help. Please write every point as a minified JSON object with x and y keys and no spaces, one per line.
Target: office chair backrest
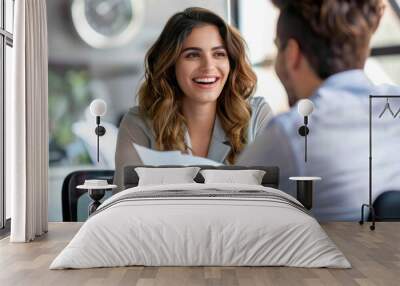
{"x":70,"y":194}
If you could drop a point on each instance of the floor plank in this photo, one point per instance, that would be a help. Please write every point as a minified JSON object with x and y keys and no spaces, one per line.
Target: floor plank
{"x":374,"y":255}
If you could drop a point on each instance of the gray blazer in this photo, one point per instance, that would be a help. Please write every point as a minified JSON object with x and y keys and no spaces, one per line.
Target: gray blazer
{"x":136,"y":129}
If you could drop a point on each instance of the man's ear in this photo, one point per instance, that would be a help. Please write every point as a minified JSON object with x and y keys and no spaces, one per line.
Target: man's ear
{"x":293,"y":55}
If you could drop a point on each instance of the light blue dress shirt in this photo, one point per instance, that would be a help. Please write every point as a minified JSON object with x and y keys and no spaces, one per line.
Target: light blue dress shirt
{"x":338,"y":146}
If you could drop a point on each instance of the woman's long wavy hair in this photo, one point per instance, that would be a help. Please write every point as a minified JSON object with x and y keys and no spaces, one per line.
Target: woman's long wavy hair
{"x":160,"y":97}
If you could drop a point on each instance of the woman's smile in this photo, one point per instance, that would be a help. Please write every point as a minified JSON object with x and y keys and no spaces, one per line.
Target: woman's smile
{"x":206,"y":82}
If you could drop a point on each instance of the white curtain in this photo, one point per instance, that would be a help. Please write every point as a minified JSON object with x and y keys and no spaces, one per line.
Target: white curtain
{"x":27,"y":128}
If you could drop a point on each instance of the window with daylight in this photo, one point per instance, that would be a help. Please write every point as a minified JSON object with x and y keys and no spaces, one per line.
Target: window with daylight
{"x":6,"y":45}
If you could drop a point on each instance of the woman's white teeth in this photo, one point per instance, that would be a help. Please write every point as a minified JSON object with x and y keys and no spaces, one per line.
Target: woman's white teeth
{"x":205,"y":80}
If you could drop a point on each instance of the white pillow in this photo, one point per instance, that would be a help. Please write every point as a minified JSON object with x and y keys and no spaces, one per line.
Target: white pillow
{"x":248,"y":177}
{"x":164,"y":176}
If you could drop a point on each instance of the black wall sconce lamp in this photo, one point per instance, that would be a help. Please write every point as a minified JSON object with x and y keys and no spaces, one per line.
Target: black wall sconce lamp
{"x":305,"y":107}
{"x":98,"y":108}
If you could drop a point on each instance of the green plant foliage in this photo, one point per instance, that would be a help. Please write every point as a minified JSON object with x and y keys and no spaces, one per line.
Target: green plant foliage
{"x":69,"y":96}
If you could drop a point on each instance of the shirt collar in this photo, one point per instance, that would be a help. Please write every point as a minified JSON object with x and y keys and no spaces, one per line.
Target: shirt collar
{"x":219,"y":146}
{"x":346,"y":80}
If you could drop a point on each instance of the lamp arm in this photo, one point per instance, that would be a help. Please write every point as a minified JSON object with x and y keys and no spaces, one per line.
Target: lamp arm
{"x":305,"y":137}
{"x":98,"y":143}
{"x":98,"y":133}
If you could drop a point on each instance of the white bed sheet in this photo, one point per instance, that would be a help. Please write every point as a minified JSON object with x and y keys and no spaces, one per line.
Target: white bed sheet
{"x":200,"y":231}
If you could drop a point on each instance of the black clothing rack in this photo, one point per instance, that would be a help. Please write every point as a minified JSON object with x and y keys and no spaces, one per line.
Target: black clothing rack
{"x":370,"y":205}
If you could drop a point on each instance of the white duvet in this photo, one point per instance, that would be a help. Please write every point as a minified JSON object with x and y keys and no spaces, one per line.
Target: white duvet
{"x":182,"y":231}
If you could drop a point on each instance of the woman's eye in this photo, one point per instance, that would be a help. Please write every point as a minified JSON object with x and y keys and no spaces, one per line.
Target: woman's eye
{"x":220,"y":54}
{"x":192,"y":55}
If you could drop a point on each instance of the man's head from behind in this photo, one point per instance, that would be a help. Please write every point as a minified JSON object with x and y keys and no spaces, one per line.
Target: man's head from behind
{"x":319,"y":38}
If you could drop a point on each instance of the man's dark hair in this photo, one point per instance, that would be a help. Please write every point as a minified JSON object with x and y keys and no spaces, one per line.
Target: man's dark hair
{"x":333,"y":35}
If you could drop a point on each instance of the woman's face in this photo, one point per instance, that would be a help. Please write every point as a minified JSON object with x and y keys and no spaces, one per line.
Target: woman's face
{"x":203,"y":65}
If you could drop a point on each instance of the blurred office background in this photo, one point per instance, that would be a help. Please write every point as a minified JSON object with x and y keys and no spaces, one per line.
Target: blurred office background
{"x":97,"y":49}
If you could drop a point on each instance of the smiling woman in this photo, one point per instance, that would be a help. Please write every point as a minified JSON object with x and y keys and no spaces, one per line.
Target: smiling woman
{"x":201,"y":71}
{"x":196,"y":96}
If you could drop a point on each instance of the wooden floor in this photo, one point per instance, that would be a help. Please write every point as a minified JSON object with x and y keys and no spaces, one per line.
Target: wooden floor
{"x":374,"y":255}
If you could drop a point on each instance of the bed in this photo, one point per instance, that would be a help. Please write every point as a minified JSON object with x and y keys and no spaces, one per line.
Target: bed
{"x":201,"y":224}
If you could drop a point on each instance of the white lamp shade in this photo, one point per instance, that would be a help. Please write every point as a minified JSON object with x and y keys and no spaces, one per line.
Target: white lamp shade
{"x":305,"y":107}
{"x":98,"y":107}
